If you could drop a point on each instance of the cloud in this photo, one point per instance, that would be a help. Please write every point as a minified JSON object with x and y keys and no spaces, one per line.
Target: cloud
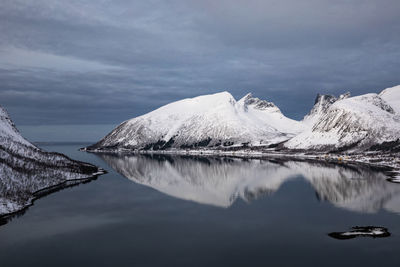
{"x":14,"y":58}
{"x":79,"y":62}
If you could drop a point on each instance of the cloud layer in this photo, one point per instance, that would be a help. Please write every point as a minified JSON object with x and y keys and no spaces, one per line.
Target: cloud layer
{"x":75,"y":62}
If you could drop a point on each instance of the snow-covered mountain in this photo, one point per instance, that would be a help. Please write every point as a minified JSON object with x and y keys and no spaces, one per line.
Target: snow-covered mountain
{"x":26,"y":169}
{"x":216,"y":120}
{"x":352,"y":123}
{"x":220,"y":182}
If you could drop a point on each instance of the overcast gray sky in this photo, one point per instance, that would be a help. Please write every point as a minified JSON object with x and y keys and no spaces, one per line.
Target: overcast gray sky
{"x":94,"y":62}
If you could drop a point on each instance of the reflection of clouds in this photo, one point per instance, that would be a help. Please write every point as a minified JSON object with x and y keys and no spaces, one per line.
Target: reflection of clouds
{"x":220,"y":181}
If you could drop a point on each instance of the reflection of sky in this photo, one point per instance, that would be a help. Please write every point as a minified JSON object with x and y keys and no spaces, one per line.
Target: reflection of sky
{"x":97,"y":62}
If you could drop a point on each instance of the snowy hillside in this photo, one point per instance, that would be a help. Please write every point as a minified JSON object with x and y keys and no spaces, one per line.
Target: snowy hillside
{"x":216,"y":120}
{"x":26,"y":169}
{"x":321,"y":105}
{"x":354,"y":123}
{"x":392,"y":96}
{"x":9,"y":132}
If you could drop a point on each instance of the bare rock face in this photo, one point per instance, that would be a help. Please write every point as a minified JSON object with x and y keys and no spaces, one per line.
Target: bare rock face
{"x":321,"y":105}
{"x":257,"y":103}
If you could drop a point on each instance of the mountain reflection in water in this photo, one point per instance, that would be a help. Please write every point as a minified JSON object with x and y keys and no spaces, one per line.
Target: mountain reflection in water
{"x":220,"y":181}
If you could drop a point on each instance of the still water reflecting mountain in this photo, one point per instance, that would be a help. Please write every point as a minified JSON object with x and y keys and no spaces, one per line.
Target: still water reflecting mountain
{"x":220,"y":181}
{"x":196,"y":211}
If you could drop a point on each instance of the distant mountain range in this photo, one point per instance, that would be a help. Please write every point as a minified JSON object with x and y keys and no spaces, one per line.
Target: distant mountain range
{"x":26,"y":170}
{"x":219,"y":122}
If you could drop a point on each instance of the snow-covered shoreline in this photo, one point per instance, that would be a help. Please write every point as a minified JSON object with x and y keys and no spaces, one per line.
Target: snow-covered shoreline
{"x":26,"y":171}
{"x":15,"y":208}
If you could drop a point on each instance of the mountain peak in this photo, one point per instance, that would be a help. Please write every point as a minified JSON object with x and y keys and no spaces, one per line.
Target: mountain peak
{"x":249,"y":100}
{"x":321,"y":99}
{"x":247,"y":96}
{"x":3,"y":113}
{"x":8,"y":129}
{"x":223,"y":93}
{"x":321,"y":104}
{"x":345,"y":95}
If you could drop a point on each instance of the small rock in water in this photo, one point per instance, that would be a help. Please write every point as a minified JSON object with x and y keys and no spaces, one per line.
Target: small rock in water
{"x":363,"y":231}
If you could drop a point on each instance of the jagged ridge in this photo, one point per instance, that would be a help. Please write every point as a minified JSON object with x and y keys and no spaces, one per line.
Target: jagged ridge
{"x":351,"y":124}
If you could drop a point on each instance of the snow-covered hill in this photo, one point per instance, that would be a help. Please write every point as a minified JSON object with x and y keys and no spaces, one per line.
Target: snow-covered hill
{"x":216,"y":120}
{"x":352,"y":124}
{"x":26,"y":169}
{"x":321,"y":105}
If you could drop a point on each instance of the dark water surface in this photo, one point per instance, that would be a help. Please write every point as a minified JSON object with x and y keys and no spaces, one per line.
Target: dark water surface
{"x":180,"y":211}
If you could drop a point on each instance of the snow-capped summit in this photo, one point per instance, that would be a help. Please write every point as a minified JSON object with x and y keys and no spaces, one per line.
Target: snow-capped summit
{"x":352,"y":123}
{"x":209,"y":120}
{"x":270,"y":114}
{"x":321,"y":104}
{"x":256,"y":103}
{"x":344,"y":96}
{"x":392,"y":96}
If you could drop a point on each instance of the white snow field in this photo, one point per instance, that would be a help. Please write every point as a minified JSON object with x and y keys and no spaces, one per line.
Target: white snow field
{"x":392,"y":96}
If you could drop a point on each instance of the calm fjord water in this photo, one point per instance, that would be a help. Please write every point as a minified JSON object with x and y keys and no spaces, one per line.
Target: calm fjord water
{"x":184,"y":211}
